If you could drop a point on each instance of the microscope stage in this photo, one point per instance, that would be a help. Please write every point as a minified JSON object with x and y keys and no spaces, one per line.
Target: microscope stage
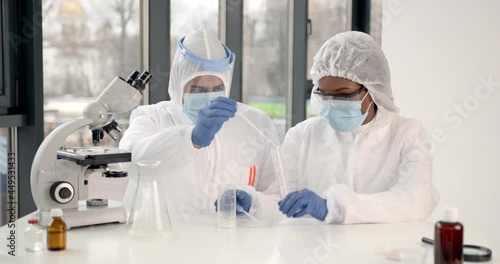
{"x":94,"y":156}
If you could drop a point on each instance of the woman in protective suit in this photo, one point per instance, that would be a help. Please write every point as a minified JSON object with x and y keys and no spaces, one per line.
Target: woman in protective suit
{"x":202,"y":137}
{"x":359,"y":161}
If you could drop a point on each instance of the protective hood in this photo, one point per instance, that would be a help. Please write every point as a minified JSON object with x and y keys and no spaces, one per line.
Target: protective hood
{"x":357,"y":57}
{"x":199,"y":54}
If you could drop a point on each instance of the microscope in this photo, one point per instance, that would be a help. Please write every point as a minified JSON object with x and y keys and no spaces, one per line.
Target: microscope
{"x":59,"y":175}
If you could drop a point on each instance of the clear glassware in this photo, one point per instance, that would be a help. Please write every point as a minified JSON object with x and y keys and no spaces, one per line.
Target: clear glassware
{"x":149,"y":218}
{"x":226,"y":206}
{"x":33,"y":237}
{"x":278,"y":169}
{"x":132,"y":185}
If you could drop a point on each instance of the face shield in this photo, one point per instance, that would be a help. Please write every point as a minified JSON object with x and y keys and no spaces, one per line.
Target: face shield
{"x":202,"y":64}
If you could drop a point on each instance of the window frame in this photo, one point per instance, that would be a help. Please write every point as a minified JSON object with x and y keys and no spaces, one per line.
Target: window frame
{"x":29,"y":97}
{"x":157,"y":40}
{"x":2,"y":88}
{"x":231,"y":32}
{"x":21,"y":69}
{"x":8,"y":67}
{"x":21,"y":103}
{"x":297,"y":92}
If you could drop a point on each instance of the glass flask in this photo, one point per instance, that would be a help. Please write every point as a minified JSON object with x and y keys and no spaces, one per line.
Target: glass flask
{"x":132,"y":185}
{"x":149,"y":218}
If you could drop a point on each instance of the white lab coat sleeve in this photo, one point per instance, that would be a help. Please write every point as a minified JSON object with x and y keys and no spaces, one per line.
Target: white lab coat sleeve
{"x":146,"y":142}
{"x":413,"y":196}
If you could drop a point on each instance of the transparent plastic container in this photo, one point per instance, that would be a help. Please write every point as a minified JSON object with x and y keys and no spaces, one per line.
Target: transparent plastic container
{"x":226,"y":206}
{"x":33,"y":237}
{"x":402,"y":252}
{"x":149,"y":218}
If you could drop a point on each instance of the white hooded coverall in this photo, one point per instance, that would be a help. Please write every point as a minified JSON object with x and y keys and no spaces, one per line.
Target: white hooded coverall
{"x":190,"y":176}
{"x":381,"y":172}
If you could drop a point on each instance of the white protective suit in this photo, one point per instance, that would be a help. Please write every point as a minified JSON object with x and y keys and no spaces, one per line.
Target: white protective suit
{"x":190,"y":176}
{"x":381,"y":172}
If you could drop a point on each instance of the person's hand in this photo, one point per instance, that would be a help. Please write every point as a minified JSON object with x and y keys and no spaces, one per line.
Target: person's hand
{"x":210,"y":120}
{"x":300,"y":203}
{"x":243,"y":199}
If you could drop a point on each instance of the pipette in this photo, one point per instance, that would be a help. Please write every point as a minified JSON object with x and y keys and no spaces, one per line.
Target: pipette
{"x":276,"y":156}
{"x":278,"y":169}
{"x":240,"y":209}
{"x":256,"y":129}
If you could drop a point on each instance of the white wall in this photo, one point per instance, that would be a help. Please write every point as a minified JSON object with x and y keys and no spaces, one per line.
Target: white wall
{"x":440,"y":53}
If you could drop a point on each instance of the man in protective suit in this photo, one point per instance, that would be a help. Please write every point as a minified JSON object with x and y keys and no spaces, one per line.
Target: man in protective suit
{"x":202,"y":137}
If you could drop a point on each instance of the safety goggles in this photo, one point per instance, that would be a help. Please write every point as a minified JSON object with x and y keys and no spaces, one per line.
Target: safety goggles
{"x":340,"y":97}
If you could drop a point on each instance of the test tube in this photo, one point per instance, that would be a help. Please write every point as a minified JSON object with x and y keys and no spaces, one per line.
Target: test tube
{"x":226,"y":206}
{"x":276,"y":156}
{"x":278,"y":170}
{"x":255,"y":128}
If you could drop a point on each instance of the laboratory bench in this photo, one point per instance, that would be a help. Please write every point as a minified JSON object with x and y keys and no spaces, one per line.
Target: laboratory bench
{"x":198,"y":240}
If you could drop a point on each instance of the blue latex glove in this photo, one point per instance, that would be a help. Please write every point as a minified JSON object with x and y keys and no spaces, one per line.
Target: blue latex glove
{"x":243,"y":199}
{"x":300,"y":203}
{"x":211,"y":118}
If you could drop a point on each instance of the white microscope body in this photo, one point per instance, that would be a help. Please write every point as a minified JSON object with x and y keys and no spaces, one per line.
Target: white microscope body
{"x":59,"y":175}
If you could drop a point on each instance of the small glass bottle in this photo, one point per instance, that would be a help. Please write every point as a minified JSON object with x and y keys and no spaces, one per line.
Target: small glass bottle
{"x":33,"y":237}
{"x":56,"y":231}
{"x":448,"y":239}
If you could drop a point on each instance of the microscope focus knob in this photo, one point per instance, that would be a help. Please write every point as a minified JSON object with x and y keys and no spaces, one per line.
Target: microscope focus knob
{"x":62,"y":192}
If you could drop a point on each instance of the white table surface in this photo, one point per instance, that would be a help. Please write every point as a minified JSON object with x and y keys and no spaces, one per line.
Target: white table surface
{"x":286,"y":241}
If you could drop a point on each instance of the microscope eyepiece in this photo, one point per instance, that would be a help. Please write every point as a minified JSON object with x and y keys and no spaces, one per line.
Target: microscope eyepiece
{"x":97,"y":135}
{"x":109,"y":129}
{"x":116,"y":127}
{"x":141,"y":81}
{"x":145,"y":77}
{"x":132,"y":77}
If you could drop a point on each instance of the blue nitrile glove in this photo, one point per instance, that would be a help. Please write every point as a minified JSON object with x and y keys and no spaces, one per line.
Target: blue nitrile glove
{"x":300,"y":203}
{"x":243,"y":199}
{"x":211,"y":118}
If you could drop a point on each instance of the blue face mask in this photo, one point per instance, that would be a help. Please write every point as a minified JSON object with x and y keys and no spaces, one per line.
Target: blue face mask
{"x":194,"y":102}
{"x":344,"y":116}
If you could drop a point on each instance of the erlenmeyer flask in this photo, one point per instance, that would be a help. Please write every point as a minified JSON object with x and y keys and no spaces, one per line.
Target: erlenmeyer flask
{"x":132,"y":185}
{"x":149,"y":217}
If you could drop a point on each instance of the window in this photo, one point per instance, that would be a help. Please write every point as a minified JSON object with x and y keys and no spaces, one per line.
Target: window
{"x":189,"y":16}
{"x":86,"y":43}
{"x":327,"y":18}
{"x":376,"y":20}
{"x":265,"y":58}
